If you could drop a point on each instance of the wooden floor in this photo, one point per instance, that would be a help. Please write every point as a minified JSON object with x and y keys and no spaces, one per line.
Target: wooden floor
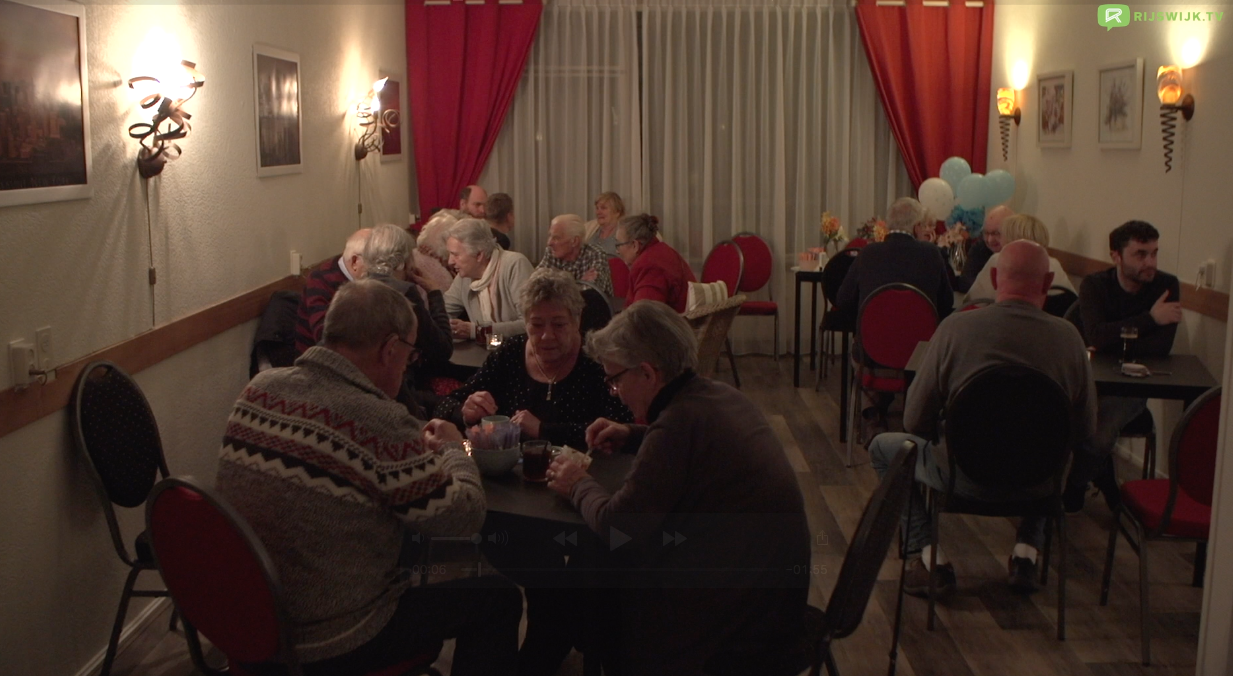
{"x":985,"y":629}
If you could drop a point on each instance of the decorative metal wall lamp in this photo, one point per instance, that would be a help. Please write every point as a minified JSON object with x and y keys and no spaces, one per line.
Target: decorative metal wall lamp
{"x":170,"y":121}
{"x":372,"y":120}
{"x":1007,"y":111}
{"x":1172,"y":101}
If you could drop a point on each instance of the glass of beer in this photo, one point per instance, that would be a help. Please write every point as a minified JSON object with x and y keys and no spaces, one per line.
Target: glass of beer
{"x":1129,"y":335}
{"x":536,"y":456}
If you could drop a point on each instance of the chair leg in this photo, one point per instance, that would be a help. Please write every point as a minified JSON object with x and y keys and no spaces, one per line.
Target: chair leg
{"x":852,"y":418}
{"x":736,"y":377}
{"x":1108,"y":574}
{"x":933,"y":561}
{"x":903,"y":569}
{"x":776,"y":348}
{"x":197,"y":655}
{"x":1200,"y":564}
{"x":1046,"y":554}
{"x":114,"y":642}
{"x":831,"y":667}
{"x":1061,"y":576}
{"x":1144,"y":608}
{"x":175,"y":617}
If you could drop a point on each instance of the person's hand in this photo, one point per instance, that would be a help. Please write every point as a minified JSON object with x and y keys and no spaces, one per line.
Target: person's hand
{"x":460,"y":329}
{"x":590,"y":275}
{"x":417,"y":276}
{"x":528,"y":422}
{"x":437,"y":433}
{"x":563,"y":473}
{"x":1164,"y":312}
{"x":607,"y":436}
{"x":477,"y":406}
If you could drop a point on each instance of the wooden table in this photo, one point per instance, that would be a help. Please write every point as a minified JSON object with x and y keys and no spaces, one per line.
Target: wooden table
{"x":814,"y":279}
{"x":509,"y":494}
{"x":1186,"y":379}
{"x":469,"y":353}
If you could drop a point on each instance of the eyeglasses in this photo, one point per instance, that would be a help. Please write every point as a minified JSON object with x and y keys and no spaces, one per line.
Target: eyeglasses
{"x":414,"y":355}
{"x":621,"y":244}
{"x":611,"y":381}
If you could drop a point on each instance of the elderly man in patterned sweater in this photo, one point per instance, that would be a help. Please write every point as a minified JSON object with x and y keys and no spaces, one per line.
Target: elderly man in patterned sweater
{"x":330,"y":472}
{"x":566,"y":251}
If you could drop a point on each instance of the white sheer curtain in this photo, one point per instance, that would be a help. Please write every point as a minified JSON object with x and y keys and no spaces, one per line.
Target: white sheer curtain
{"x":726,"y":116}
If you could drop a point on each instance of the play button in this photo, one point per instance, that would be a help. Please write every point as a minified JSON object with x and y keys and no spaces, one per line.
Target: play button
{"x":616,"y":538}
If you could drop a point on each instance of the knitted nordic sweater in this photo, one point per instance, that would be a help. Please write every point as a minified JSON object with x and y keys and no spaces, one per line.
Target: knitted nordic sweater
{"x":327,"y":469}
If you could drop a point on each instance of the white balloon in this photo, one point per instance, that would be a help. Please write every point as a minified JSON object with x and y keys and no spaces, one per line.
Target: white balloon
{"x":937,"y":197}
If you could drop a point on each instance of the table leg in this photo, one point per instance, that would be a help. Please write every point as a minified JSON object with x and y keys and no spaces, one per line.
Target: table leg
{"x":796,"y":338}
{"x":1200,"y":564}
{"x":844,"y":374}
{"x":813,"y":325}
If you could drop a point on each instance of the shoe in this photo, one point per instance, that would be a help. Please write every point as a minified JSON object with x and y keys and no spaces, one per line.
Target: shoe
{"x":1023,"y":574}
{"x":916,"y":579}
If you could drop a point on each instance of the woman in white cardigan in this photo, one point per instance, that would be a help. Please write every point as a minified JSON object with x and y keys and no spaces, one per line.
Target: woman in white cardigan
{"x":1018,"y":226}
{"x":488,"y":284}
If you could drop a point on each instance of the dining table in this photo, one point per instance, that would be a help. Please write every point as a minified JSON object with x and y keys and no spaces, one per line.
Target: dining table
{"x":469,"y":353}
{"x":511,"y":495}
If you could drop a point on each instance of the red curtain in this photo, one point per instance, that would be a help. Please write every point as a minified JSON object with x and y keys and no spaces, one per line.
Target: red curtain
{"x":464,"y":62}
{"x":932,"y":67}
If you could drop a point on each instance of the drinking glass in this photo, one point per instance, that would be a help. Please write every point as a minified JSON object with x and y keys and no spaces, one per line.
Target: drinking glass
{"x":536,"y":456}
{"x":1129,"y":335}
{"x":495,"y":340}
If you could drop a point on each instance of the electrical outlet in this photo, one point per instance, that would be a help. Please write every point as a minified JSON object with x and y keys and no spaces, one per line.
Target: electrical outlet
{"x":1209,"y":273}
{"x":44,"y":355}
{"x":21,"y":360}
{"x":296,"y":261}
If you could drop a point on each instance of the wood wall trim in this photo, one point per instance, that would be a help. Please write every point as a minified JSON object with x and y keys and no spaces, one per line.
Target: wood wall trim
{"x":20,"y":408}
{"x":1207,"y":302}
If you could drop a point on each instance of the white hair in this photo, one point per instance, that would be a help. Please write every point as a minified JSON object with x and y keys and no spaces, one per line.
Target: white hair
{"x":574,"y":227}
{"x":474,"y":235}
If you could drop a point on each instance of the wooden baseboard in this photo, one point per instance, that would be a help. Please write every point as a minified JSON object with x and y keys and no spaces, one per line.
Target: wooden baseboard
{"x":1207,"y":302}
{"x":19,"y":408}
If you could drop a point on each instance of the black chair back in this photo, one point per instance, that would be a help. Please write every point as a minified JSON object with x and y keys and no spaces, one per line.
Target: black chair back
{"x":868,"y":547}
{"x":1060,"y":300}
{"x":596,"y":311}
{"x":1009,"y":427}
{"x":114,"y":426}
{"x":275,"y":337}
{"x":835,"y":271}
{"x":1074,"y":316}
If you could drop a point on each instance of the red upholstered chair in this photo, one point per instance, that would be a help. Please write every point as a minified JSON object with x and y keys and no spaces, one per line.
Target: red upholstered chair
{"x":858,"y":243}
{"x":759,"y":263}
{"x":891,"y":321}
{"x":726,"y":263}
{"x":1177,"y":509}
{"x":223,"y":581}
{"x":620,"y":276}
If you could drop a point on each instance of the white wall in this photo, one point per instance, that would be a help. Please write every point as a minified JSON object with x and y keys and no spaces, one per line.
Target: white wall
{"x":1083,"y":192}
{"x":218,"y":231}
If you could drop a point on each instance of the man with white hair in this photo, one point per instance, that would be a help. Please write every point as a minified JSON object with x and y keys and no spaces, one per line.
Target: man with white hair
{"x":901,"y":258}
{"x":567,"y":251}
{"x":320,"y":286}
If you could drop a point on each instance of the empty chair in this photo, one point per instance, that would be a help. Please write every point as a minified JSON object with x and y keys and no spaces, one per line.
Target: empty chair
{"x":833,"y":274}
{"x":759,"y":264}
{"x":711,"y":324}
{"x":596,"y":312}
{"x":725,"y":263}
{"x":225,"y":583}
{"x":1178,"y":508}
{"x":117,"y":435}
{"x":1059,"y":300}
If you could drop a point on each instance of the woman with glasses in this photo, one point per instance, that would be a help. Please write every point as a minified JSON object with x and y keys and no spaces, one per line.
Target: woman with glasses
{"x":541,"y":379}
{"x":656,"y":270}
{"x":711,"y":477}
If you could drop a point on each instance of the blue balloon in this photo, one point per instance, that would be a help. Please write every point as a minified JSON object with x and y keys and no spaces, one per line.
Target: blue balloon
{"x":972,"y":219}
{"x":973,"y":192}
{"x":954,"y":170}
{"x":1001,"y":186}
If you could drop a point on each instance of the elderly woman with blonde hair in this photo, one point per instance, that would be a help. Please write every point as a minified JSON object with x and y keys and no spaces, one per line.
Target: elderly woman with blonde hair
{"x":1016,"y":227}
{"x":609,"y":210}
{"x":542,"y":380}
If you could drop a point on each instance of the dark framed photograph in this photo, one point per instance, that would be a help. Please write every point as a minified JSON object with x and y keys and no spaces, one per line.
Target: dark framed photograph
{"x":276,"y":83}
{"x":391,"y":99}
{"x":1056,"y":95}
{"x":44,"y":104}
{"x":1121,"y":105}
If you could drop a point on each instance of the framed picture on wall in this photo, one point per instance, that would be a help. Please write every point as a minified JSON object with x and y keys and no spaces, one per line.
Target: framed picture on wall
{"x":1121,"y":105}
{"x":44,"y":104}
{"x":276,"y":87}
{"x":391,"y":99}
{"x":1055,"y":92}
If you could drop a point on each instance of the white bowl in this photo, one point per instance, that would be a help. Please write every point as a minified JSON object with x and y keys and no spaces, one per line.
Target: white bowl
{"x":493,"y":462}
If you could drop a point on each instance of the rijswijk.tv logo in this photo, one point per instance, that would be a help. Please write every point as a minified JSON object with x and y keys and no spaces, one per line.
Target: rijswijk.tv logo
{"x":1120,"y":16}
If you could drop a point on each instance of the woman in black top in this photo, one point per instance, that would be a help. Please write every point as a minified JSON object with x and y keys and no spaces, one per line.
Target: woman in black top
{"x":542,"y":380}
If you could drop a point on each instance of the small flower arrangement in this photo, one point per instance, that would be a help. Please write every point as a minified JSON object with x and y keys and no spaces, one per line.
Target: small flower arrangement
{"x":832,"y":232}
{"x":873,"y":230}
{"x":956,"y":235}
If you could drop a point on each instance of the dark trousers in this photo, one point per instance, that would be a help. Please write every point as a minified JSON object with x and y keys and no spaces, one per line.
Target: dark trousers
{"x":481,"y":613}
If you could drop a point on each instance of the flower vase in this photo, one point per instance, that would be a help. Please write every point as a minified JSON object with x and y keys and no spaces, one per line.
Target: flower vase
{"x":957,"y":257}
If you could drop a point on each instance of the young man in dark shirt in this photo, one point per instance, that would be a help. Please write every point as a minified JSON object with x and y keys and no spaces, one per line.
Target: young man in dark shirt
{"x":1131,"y":293}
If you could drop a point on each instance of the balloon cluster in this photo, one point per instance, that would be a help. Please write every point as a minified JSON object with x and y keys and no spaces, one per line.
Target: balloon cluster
{"x":962,"y":196}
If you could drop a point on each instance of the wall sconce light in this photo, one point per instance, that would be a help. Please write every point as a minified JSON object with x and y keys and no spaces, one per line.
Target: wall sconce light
{"x":1169,"y":89}
{"x":1007,"y":111}
{"x":170,"y":121}
{"x":373,"y":120}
